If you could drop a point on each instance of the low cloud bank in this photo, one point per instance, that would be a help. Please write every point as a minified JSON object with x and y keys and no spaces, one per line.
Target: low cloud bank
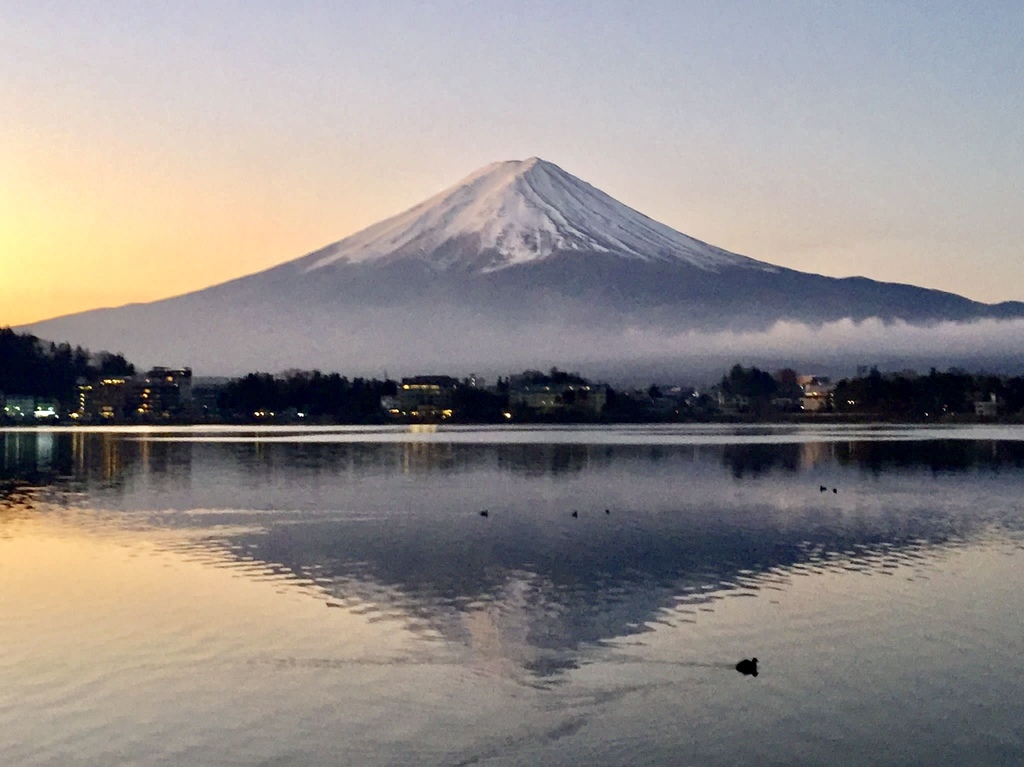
{"x":845,"y":337}
{"x":452,"y":340}
{"x":836,"y":348}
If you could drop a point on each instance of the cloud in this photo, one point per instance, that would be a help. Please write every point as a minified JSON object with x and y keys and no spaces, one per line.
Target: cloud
{"x":446,"y":339}
{"x":845,"y":337}
{"x":835,"y":348}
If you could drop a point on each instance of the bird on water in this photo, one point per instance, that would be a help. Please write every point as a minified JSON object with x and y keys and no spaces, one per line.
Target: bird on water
{"x":484,"y":513}
{"x":747,"y":667}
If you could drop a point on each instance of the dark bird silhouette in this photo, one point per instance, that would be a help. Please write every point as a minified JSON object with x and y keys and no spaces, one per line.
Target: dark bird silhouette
{"x":835,"y":490}
{"x":822,"y":488}
{"x":607,"y":511}
{"x":747,"y":667}
{"x":575,"y":513}
{"x":483,"y":513}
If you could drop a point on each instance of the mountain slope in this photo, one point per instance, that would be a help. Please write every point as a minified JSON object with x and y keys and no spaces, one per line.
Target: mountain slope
{"x":519,"y":264}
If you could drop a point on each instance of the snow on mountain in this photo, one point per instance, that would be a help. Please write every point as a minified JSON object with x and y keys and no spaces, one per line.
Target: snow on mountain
{"x":521,"y":211}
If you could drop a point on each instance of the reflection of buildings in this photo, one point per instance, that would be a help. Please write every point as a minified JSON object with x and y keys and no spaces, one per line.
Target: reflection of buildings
{"x":99,"y":456}
{"x":426,"y":456}
{"x":548,"y":459}
{"x":99,"y":459}
{"x":816,"y":453}
{"x":947,"y":455}
{"x":112,"y":461}
{"x":758,"y":458}
{"x":532,"y":459}
{"x":27,"y":452}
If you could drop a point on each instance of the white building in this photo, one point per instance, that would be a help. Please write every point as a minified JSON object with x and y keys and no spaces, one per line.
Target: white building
{"x":816,"y":393}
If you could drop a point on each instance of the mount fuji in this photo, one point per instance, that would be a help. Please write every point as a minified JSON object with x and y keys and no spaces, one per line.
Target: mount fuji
{"x":519,"y":264}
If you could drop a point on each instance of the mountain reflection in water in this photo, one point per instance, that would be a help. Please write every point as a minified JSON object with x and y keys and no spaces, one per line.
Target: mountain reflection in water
{"x":394,"y":528}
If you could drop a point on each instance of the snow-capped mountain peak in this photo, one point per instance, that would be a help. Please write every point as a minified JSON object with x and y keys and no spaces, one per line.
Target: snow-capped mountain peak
{"x":518,"y":211}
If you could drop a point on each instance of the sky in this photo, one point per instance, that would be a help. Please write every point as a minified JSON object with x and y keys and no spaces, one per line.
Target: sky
{"x":148,"y":149}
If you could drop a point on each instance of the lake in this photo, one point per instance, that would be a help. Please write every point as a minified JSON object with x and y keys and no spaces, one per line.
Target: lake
{"x":334,"y":596}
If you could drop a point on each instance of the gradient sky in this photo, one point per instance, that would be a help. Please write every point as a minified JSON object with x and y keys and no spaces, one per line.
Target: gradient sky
{"x":152,"y":148}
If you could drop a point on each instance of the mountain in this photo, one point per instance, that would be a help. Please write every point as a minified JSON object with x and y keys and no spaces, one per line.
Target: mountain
{"x":515,"y":213}
{"x":519,"y":264}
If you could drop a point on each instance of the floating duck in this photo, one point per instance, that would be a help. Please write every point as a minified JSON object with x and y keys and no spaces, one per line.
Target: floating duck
{"x":747,"y":667}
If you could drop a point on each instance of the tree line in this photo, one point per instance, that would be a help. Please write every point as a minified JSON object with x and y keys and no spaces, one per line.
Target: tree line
{"x":938,"y":394}
{"x":888,"y":396}
{"x":316,"y":395}
{"x":31,"y":366}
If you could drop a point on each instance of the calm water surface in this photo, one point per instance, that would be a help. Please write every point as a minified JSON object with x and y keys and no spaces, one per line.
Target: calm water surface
{"x":334,"y":596}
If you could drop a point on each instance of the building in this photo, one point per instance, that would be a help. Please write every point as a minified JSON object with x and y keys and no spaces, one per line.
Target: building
{"x":987,"y":408}
{"x":424,"y":397}
{"x":24,"y":407}
{"x":816,"y":393}
{"x":730,"y":403}
{"x":548,"y":398}
{"x":105,"y":400}
{"x":19,"y":407}
{"x":161,"y":393}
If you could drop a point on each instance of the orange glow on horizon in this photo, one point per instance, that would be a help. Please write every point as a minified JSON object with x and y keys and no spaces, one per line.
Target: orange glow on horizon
{"x":80,"y":231}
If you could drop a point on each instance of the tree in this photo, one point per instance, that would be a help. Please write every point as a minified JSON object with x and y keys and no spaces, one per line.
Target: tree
{"x":30,"y":366}
{"x":749,"y":382}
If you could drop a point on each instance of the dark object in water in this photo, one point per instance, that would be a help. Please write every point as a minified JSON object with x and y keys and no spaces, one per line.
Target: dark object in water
{"x":835,"y":490}
{"x":747,"y":667}
{"x":607,"y":511}
{"x":575,"y":513}
{"x":483,"y":513}
{"x":822,"y":488}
